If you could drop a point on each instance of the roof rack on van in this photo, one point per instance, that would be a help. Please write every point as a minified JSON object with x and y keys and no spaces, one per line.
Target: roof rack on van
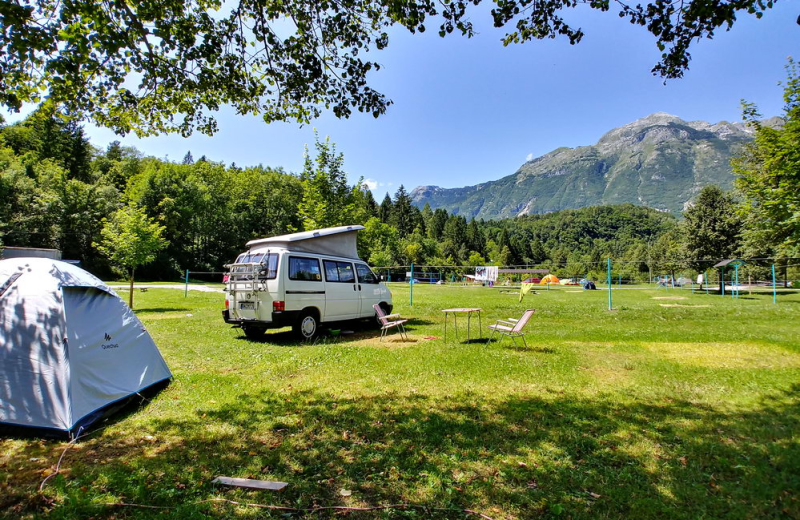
{"x":336,"y":241}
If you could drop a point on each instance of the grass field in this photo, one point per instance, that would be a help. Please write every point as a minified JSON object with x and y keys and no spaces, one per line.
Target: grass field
{"x":674,"y":405}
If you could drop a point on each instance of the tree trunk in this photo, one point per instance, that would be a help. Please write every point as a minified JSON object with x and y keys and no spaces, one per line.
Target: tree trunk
{"x":130,"y":293}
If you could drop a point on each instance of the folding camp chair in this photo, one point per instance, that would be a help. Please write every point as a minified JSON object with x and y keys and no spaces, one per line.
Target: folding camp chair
{"x":512,"y":328}
{"x":389,"y":321}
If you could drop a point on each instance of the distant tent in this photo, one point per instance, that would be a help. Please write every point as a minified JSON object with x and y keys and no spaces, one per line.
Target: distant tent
{"x":69,"y":347}
{"x":550,"y":279}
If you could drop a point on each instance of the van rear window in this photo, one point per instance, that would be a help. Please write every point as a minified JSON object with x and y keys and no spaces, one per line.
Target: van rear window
{"x":271,"y":266}
{"x":304,"y":269}
{"x":269,"y":261}
{"x":249,"y":258}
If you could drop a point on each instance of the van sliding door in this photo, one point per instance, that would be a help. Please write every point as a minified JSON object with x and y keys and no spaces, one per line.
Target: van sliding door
{"x":304,"y":285}
{"x":342,"y":300}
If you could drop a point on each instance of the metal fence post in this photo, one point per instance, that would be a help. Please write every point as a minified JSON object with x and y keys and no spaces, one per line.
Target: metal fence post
{"x":411,"y":286}
{"x":609,"y":285}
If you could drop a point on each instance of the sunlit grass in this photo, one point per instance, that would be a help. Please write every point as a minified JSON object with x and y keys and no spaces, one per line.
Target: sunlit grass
{"x":645,"y":411}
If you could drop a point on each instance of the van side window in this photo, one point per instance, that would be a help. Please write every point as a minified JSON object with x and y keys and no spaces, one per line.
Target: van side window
{"x":304,"y":269}
{"x":339,"y":271}
{"x":331,"y":271}
{"x":365,"y":274}
{"x":346,"y":273}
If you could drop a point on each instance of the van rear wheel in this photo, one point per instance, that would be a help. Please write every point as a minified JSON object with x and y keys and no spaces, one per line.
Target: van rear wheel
{"x":253,"y":332}
{"x":307,"y":326}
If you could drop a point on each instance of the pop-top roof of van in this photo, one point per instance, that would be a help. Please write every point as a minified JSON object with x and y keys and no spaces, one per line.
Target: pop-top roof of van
{"x":336,"y":241}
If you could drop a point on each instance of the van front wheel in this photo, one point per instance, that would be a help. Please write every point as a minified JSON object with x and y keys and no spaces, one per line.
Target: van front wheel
{"x":307,"y":326}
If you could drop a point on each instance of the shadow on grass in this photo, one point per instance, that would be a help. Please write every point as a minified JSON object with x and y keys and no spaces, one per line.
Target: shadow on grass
{"x":522,"y":348}
{"x":279,"y":338}
{"x":350,"y":333}
{"x":480,"y":341}
{"x":419,"y":321}
{"x":517,"y":457}
{"x":156,"y":310}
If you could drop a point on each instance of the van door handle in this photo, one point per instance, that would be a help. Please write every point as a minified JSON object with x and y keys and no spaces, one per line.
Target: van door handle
{"x":354,"y":287}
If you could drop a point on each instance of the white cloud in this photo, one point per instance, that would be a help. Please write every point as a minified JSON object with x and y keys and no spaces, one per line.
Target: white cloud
{"x":529,"y":157}
{"x":371,"y":184}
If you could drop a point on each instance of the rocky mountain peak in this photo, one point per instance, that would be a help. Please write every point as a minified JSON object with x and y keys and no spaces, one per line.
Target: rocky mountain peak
{"x":424,"y":191}
{"x":660,"y":161}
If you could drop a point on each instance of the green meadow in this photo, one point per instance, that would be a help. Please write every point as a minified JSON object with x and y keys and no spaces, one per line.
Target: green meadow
{"x":672,"y":405}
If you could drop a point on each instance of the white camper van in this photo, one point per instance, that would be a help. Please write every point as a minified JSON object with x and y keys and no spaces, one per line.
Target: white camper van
{"x":303,"y":280}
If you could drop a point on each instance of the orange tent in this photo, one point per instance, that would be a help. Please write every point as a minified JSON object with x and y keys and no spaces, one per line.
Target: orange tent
{"x":550,"y":279}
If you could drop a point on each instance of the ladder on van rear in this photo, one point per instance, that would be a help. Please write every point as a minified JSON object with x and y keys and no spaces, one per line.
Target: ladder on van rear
{"x":244,"y":277}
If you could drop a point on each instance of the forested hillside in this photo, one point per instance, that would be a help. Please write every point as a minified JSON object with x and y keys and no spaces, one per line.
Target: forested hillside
{"x":57,"y":190}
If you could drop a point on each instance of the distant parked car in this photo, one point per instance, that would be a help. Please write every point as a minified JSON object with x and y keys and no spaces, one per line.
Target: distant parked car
{"x":532,"y":280}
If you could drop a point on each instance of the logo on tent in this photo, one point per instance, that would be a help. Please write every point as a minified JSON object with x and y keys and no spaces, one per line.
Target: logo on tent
{"x":105,"y":346}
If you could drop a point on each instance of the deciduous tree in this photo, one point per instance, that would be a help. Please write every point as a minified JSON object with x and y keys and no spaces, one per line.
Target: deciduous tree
{"x":131,"y":239}
{"x":769,"y":177}
{"x":153,"y":66}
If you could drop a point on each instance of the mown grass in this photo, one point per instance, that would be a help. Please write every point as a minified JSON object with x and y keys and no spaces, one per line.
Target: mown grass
{"x":684,"y":407}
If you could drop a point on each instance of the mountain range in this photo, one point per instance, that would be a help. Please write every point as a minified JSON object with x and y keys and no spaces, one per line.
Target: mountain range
{"x":660,"y":161}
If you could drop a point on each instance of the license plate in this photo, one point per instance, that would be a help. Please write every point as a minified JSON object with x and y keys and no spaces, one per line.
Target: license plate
{"x":247,"y":306}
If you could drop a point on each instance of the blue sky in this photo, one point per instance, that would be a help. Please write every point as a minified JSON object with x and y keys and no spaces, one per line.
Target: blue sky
{"x":470,"y":110}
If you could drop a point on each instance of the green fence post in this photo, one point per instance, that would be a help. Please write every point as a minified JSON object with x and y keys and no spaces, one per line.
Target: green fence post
{"x":774,"y":293}
{"x":411,"y":286}
{"x":609,"y":285}
{"x":186,"y":289}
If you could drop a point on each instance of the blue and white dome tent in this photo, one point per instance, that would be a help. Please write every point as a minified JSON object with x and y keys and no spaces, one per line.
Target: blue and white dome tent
{"x":70,"y":348}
